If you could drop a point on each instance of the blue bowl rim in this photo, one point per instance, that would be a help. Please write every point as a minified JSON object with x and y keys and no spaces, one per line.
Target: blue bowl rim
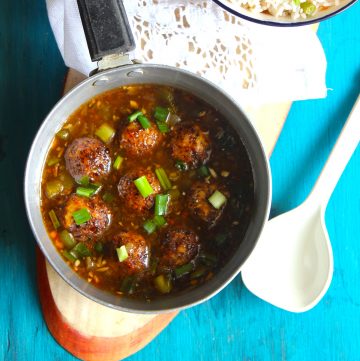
{"x":274,"y":23}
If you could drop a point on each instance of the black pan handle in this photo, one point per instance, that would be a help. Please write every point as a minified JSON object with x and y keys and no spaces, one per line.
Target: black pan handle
{"x":106,"y":27}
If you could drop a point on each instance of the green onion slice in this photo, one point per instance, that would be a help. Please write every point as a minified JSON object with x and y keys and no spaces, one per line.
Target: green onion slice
{"x":203,"y":171}
{"x":143,"y":186}
{"x":84,"y":181}
{"x":163,"y":178}
{"x":54,"y":219}
{"x":118,"y":161}
{"x":220,"y":238}
{"x":308,"y":8}
{"x":217,"y":199}
{"x":69,"y":256}
{"x":128,"y":284}
{"x":122,"y":253}
{"x":159,"y":221}
{"x":81,"y":250}
{"x":134,"y":115}
{"x":162,"y":126}
{"x":67,"y":239}
{"x":161,"y":114}
{"x":99,"y":248}
{"x":85,"y":192}
{"x":52,"y":161}
{"x":53,"y":188}
{"x":199,"y":272}
{"x":183,"y":270}
{"x":145,"y":122}
{"x":63,"y":134}
{"x":161,"y":204}
{"x":208,"y":259}
{"x":149,"y":226}
{"x":81,"y":216}
{"x":105,"y":133}
{"x":163,"y":283}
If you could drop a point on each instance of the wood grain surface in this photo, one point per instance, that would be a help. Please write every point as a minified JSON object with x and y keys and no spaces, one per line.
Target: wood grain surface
{"x":234,"y":325}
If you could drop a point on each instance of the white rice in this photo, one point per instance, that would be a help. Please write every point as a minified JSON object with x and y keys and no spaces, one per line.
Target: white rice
{"x":283,"y":8}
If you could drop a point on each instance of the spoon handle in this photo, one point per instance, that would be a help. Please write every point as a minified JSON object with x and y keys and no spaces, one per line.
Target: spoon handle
{"x":344,"y":147}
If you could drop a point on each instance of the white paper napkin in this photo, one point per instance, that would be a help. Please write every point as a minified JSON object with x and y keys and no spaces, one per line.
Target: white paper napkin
{"x":287,"y":63}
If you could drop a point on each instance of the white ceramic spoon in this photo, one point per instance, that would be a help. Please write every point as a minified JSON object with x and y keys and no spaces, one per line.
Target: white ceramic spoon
{"x":292,"y":264}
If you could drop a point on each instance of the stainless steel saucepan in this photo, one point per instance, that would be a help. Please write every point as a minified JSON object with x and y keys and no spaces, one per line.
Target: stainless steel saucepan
{"x":109,"y":39}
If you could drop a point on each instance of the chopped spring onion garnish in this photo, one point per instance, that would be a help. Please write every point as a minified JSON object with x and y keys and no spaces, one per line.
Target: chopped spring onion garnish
{"x":63,"y":134}
{"x":84,"y":181}
{"x":161,"y":203}
{"x":118,"y":161}
{"x":181,"y":165}
{"x":81,"y":250}
{"x":52,"y":161}
{"x":105,"y":133}
{"x":163,"y":178}
{"x":203,"y":171}
{"x":149,"y":226}
{"x":161,"y":114}
{"x":308,"y":8}
{"x":145,"y":122}
{"x":54,"y":219}
{"x":200,"y":271}
{"x":296,"y":2}
{"x":183,"y":270}
{"x":134,"y":115}
{"x":99,"y":247}
{"x":220,"y":238}
{"x":69,"y":256}
{"x":208,"y":259}
{"x":143,"y":186}
{"x":81,"y":216}
{"x":85,"y":192}
{"x":153,"y":265}
{"x":217,"y":199}
{"x":53,"y":188}
{"x":162,"y":127}
{"x":128,"y":284}
{"x":163,"y":283}
{"x":159,"y":221}
{"x":122,"y":253}
{"x":67,"y":239}
{"x":108,"y":197}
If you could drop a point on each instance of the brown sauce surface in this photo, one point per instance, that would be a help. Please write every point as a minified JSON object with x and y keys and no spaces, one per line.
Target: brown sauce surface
{"x":230,"y":172}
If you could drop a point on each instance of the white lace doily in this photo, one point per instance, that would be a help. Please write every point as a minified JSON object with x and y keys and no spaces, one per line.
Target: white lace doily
{"x":194,"y":35}
{"x":253,"y":63}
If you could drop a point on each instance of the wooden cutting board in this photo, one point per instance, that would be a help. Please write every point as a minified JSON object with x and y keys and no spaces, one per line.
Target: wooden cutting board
{"x":93,"y":332}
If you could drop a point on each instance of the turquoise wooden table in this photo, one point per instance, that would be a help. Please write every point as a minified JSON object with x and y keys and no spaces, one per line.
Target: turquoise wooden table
{"x":234,"y":325}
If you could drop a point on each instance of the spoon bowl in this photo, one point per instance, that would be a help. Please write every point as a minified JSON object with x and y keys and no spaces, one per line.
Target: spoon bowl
{"x":292,"y":264}
{"x":308,"y":250}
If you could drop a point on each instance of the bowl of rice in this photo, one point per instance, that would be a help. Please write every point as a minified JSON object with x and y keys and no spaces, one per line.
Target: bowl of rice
{"x":285,"y":12}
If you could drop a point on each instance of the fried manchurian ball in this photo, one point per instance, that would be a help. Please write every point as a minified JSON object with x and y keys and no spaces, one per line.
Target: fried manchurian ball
{"x":130,"y":194}
{"x":87,"y":157}
{"x":95,"y":226}
{"x":190,"y":144}
{"x":137,"y":141}
{"x":198,"y":203}
{"x":178,"y":247}
{"x":137,"y":250}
